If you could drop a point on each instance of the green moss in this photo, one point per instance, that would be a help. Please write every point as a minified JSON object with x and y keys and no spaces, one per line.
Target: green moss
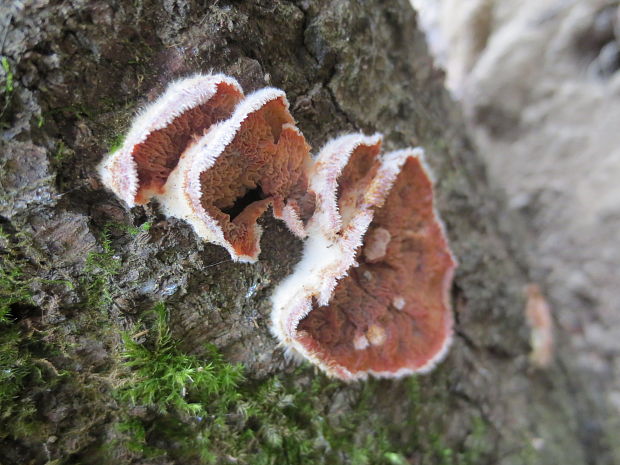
{"x":474,"y":449}
{"x":6,"y":67}
{"x":22,"y":376}
{"x":77,"y":111}
{"x":14,"y":367}
{"x":61,"y":154}
{"x":193,"y":408}
{"x":164,"y":379}
{"x":183,"y":391}
{"x":14,"y":286}
{"x":100,"y":269}
{"x":130,"y":229}
{"x":8,"y":88}
{"x":116,"y":142}
{"x":20,"y":368}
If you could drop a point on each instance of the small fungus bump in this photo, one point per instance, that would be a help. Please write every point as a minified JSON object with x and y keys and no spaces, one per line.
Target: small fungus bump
{"x":376,"y":244}
{"x":360,"y":342}
{"x":376,"y":335}
{"x":398,"y":302}
{"x":539,"y":318}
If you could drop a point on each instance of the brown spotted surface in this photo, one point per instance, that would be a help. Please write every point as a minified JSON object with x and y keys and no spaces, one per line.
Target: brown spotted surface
{"x":356,"y":178}
{"x":393,"y":313}
{"x":159,"y":153}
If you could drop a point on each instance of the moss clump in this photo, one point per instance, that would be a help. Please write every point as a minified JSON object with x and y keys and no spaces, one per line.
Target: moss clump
{"x":15,"y":367}
{"x":25,"y":374}
{"x":130,"y":229}
{"x":116,"y":142}
{"x":101,"y":268}
{"x":7,"y":89}
{"x":20,"y":366}
{"x":474,"y":450}
{"x":167,"y":380}
{"x":14,"y":286}
{"x":186,"y":408}
{"x":182,"y":393}
{"x":62,"y":154}
{"x":14,"y":290}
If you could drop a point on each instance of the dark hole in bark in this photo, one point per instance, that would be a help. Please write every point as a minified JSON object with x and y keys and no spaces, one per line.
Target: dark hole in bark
{"x":251,"y":196}
{"x":19,"y":312}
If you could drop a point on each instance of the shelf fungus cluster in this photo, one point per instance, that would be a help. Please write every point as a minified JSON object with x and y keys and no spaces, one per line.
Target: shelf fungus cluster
{"x":371,"y":292}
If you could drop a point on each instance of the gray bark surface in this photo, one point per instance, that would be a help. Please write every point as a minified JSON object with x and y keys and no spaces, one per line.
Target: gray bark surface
{"x":83,"y":68}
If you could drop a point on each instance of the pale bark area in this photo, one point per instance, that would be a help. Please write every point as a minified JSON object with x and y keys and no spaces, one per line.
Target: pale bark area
{"x":538,"y":82}
{"x":83,"y":68}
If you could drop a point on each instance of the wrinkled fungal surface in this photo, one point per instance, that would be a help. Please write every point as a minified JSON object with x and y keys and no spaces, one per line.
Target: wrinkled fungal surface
{"x":390,"y":316}
{"x":217,"y":160}
{"x":340,"y":178}
{"x":265,"y":163}
{"x":329,"y":250}
{"x":229,"y":177}
{"x":159,"y":154}
{"x":158,"y":136}
{"x":371,"y":293}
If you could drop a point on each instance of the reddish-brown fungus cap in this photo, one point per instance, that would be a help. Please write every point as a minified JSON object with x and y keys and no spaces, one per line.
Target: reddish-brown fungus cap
{"x":391,"y":315}
{"x":229,"y":177}
{"x":151,"y":150}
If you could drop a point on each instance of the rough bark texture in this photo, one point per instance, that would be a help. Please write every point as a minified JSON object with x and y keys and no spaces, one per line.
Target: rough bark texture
{"x":83,"y":68}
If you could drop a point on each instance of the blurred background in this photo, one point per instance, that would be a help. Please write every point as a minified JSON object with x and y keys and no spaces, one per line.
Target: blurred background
{"x":539,"y":86}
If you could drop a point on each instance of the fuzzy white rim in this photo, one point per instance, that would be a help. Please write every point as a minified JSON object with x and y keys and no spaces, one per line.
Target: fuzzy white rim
{"x":315,"y":277}
{"x":182,"y":198}
{"x":118,"y":170}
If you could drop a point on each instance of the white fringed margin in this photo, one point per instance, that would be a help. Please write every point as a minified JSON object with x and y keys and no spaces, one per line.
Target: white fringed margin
{"x":118,"y":170}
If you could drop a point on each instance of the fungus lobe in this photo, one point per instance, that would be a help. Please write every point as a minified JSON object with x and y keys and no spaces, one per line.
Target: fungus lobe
{"x":140,"y":168}
{"x":226,"y":179}
{"x":390,"y":316}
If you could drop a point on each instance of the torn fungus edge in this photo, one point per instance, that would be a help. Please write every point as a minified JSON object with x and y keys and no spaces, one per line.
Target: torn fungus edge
{"x":182,"y":198}
{"x":293,"y":298}
{"x":119,"y":170}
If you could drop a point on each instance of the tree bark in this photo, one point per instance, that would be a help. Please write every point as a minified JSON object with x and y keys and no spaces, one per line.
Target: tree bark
{"x":81,"y":70}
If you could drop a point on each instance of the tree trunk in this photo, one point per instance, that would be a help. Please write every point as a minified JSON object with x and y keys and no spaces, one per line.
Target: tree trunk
{"x":80,"y":269}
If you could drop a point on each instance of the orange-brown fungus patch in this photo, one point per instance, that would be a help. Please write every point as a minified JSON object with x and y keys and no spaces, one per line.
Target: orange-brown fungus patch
{"x":355,"y":179}
{"x":159,"y":154}
{"x":265,"y":164}
{"x":390,"y":314}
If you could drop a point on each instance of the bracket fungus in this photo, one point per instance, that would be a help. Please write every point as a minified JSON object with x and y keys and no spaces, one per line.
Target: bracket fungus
{"x":217,"y":160}
{"x":371,"y":292}
{"x":381,"y":307}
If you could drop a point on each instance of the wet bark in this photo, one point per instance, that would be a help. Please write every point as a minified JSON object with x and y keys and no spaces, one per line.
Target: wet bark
{"x":83,"y":68}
